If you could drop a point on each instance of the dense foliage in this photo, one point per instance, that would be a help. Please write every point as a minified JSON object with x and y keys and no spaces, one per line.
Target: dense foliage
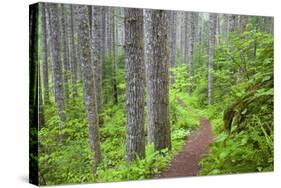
{"x":70,"y":160}
{"x":244,"y":141}
{"x":241,"y":111}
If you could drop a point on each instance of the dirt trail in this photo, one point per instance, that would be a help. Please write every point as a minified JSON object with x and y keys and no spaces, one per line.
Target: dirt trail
{"x":186,"y":163}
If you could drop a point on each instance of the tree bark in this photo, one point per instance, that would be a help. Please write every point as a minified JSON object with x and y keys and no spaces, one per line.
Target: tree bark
{"x":173,"y":38}
{"x":191,"y":42}
{"x":103,"y":30}
{"x":231,"y":23}
{"x":88,"y":82}
{"x":243,"y":23}
{"x":44,"y":53}
{"x":218,"y":29}
{"x":148,"y":58}
{"x":40,"y":100}
{"x":134,"y":68}
{"x":97,"y":53}
{"x":241,"y":69}
{"x":72,"y":51}
{"x":109,"y":31}
{"x":113,"y":57}
{"x":56,"y":47}
{"x":186,"y":35}
{"x":64,"y":50}
{"x":200,"y":37}
{"x":158,"y":77}
{"x":212,"y":39}
{"x":183,"y":37}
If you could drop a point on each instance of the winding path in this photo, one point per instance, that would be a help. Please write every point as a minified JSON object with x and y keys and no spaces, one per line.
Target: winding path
{"x":186,"y":163}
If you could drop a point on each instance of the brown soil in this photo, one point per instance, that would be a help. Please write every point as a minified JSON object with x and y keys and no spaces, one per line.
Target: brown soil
{"x":186,"y":163}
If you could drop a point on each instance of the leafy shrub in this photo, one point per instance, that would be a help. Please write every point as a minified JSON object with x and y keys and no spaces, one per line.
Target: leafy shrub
{"x":248,"y":145}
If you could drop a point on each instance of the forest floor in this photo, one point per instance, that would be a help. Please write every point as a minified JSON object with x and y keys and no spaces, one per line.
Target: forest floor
{"x":186,"y":162}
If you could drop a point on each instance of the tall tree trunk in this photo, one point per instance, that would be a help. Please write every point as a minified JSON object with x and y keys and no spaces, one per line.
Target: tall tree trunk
{"x":64,"y":49}
{"x":88,"y":82}
{"x":241,"y":69}
{"x":97,"y":53}
{"x":44,"y":53}
{"x":191,"y":40}
{"x":159,"y":80}
{"x":200,"y":36}
{"x":231,"y":23}
{"x":183,"y":37}
{"x":121,"y":32}
{"x":224,"y":27}
{"x":186,"y":36}
{"x":173,"y":37}
{"x":113,"y":58}
{"x":116,"y":34}
{"x":56,"y":47}
{"x":72,"y":51}
{"x":44,"y":62}
{"x":103,"y":30}
{"x":148,"y":59}
{"x":218,"y":29}
{"x":243,"y":23}
{"x":40,"y":96}
{"x":109,"y":30}
{"x":134,"y":68}
{"x":173,"y":41}
{"x":212,"y":39}
{"x":269,"y":25}
{"x":76,"y":45}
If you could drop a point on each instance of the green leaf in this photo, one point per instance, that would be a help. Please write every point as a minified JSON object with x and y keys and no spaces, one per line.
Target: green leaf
{"x":266,"y":78}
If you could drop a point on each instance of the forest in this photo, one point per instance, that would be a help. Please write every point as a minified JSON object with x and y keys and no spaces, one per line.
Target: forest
{"x":129,"y":94}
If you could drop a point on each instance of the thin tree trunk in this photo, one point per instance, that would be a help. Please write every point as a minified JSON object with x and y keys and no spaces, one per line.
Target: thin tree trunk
{"x":44,"y":62}
{"x":200,"y":40}
{"x":73,"y":60}
{"x":183,"y":37}
{"x":243,"y":21}
{"x":114,"y":64}
{"x":231,"y":23}
{"x":148,"y":58}
{"x":186,"y":41}
{"x":56,"y":47}
{"x":41,"y":109}
{"x":44,"y":53}
{"x":218,"y":28}
{"x":134,"y":67}
{"x":191,"y":48}
{"x":173,"y":37}
{"x":241,"y":69}
{"x":255,"y":41}
{"x":212,"y":39}
{"x":225,"y":26}
{"x":97,"y":53}
{"x":116,"y":34}
{"x":109,"y":31}
{"x":64,"y":49}
{"x":76,"y":44}
{"x":103,"y":30}
{"x":88,"y":82}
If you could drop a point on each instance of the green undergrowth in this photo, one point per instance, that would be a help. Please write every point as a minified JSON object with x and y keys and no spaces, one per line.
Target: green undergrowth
{"x":243,"y":120}
{"x":70,"y":160}
{"x":241,"y":115}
